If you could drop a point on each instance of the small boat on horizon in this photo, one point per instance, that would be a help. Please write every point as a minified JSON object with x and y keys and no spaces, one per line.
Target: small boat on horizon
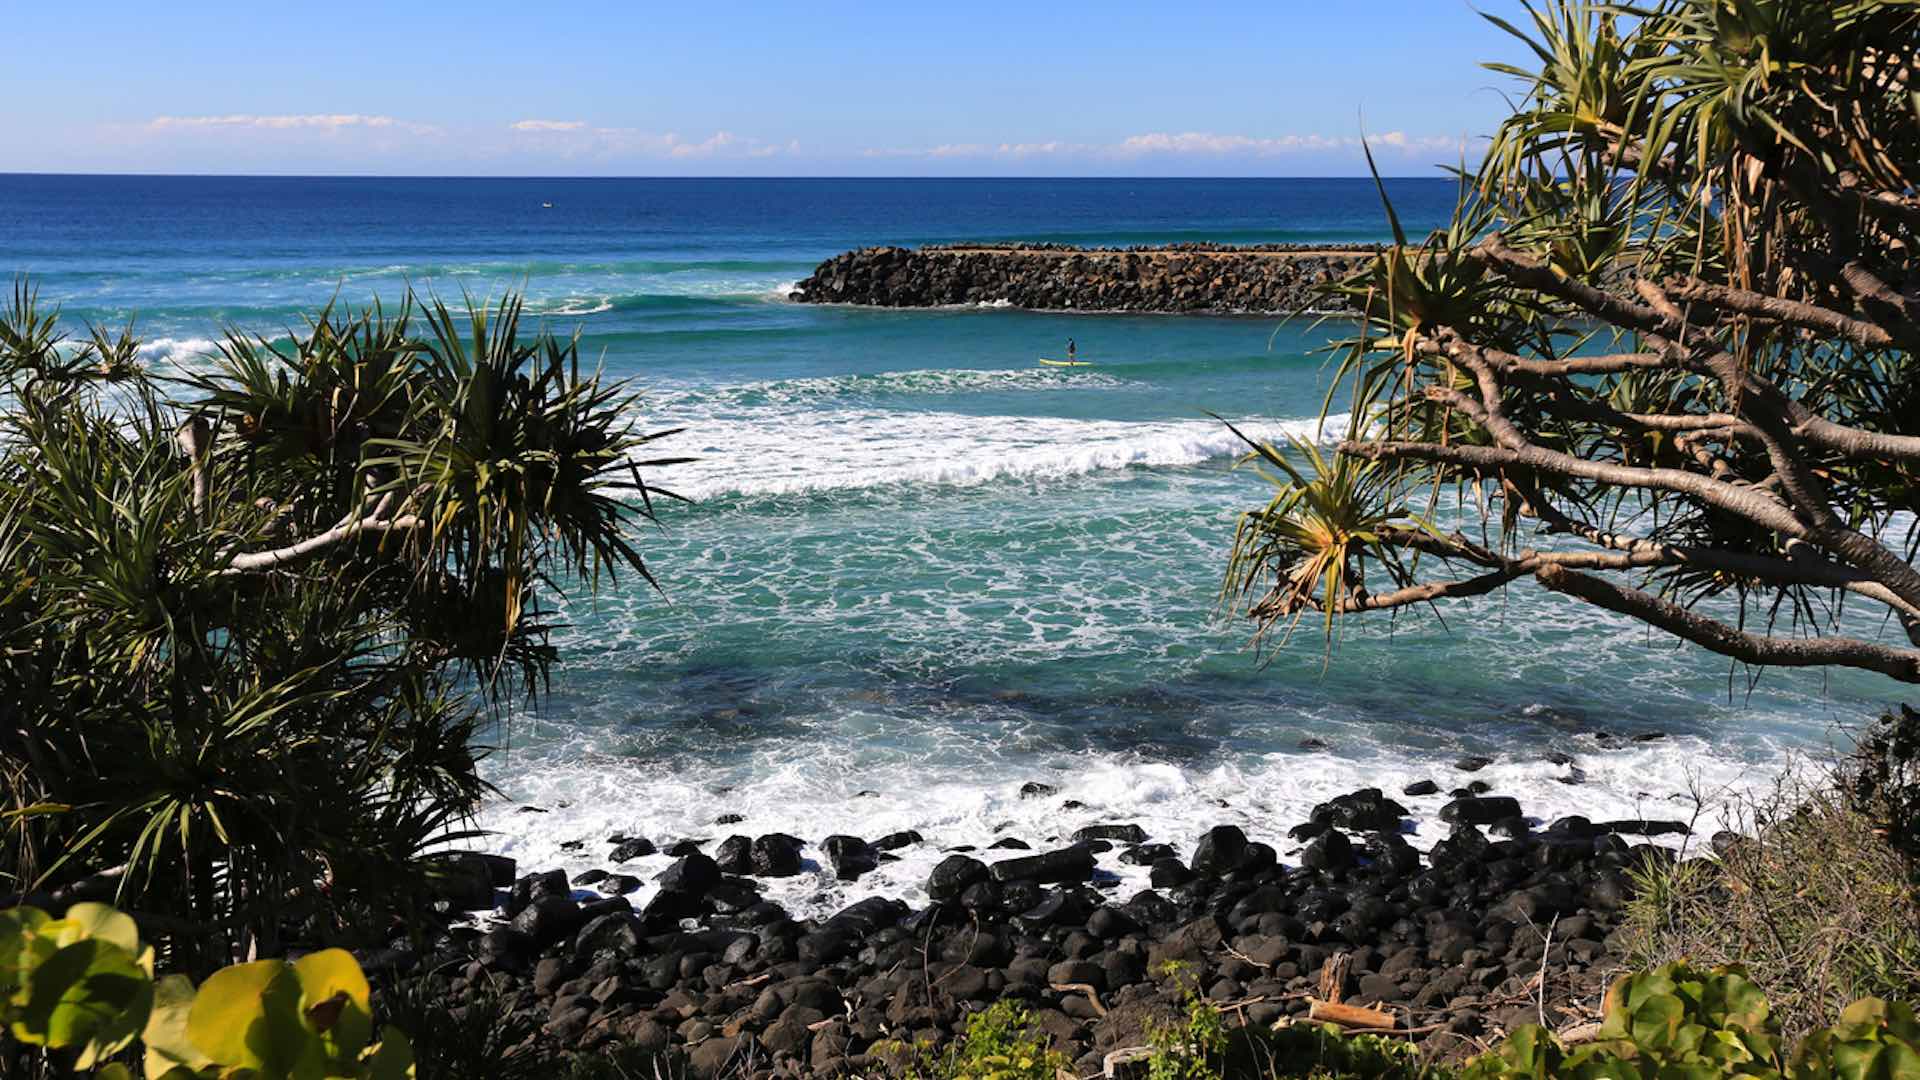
{"x":546,"y":206}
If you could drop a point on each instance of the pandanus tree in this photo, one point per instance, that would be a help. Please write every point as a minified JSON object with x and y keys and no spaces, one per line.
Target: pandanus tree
{"x":1661,"y":360}
{"x":255,"y":617}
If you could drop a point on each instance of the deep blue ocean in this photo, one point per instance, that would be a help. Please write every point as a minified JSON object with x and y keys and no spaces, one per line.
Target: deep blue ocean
{"x":920,"y":569}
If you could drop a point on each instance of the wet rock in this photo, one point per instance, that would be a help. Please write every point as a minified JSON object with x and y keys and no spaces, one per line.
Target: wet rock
{"x":1221,"y":850}
{"x":896,"y":841}
{"x":1421,"y":787}
{"x":775,"y":855}
{"x":1034,"y":789}
{"x":1126,"y":834}
{"x":548,"y":919}
{"x":732,"y":856}
{"x":1330,"y":851}
{"x":1640,"y":827}
{"x":1066,"y":864}
{"x":952,"y":876}
{"x":1167,"y":873}
{"x":1366,"y":810}
{"x":1480,"y":810}
{"x":849,"y":856}
{"x":693,"y":874}
{"x":1472,"y":763}
{"x":620,"y":884}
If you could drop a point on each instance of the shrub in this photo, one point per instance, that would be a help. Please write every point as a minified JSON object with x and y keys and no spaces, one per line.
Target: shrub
{"x":1000,"y":1043}
{"x":251,"y":622}
{"x":1681,"y":1022}
{"x":83,"y":989}
{"x":1813,"y":903}
{"x":1202,"y":1046}
{"x":1883,"y":778}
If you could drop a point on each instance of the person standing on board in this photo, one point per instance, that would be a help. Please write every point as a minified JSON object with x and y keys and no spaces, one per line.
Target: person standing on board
{"x":1069,"y":350}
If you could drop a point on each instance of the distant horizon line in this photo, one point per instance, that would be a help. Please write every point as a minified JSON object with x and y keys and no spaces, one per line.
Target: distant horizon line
{"x":533,"y":176}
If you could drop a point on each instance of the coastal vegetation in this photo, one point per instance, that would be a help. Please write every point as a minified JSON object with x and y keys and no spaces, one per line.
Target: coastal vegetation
{"x":260,"y":617}
{"x":256,"y":618}
{"x":1663,"y":354}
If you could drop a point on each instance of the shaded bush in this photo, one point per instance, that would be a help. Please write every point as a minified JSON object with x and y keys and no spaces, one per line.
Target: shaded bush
{"x":1883,"y":777}
{"x":1811,"y":900}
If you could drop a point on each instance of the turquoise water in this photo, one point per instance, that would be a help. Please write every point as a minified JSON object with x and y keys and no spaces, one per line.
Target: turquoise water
{"x":920,"y":569}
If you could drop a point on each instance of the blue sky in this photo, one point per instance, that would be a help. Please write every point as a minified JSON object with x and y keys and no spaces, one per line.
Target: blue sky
{"x":1281,"y":88}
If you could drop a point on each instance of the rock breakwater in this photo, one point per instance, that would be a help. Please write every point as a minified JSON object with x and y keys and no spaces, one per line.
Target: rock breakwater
{"x":1195,"y":278}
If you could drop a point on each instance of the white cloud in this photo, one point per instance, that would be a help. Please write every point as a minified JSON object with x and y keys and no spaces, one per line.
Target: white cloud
{"x":548,"y":125}
{"x":1193,"y":143}
{"x":322,"y":122}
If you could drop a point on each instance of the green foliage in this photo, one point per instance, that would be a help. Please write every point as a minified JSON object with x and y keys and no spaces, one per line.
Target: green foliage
{"x":1682,"y":1023}
{"x":1201,"y":1045}
{"x":1000,"y":1043}
{"x":83,"y":987}
{"x":477,"y":1034}
{"x":1323,"y":1051}
{"x":255,"y":618}
{"x":1670,"y":323}
{"x":1195,"y":1047}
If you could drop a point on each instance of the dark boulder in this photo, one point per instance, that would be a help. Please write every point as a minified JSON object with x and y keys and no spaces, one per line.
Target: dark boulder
{"x":953,"y":875}
{"x":1367,"y":810}
{"x":692,"y":874}
{"x":1126,"y":834}
{"x":849,"y":856}
{"x":1064,"y":865}
{"x":896,"y":841}
{"x":1479,"y":810}
{"x":1330,"y":851}
{"x":775,"y":855}
{"x":1220,"y":850}
{"x":631,"y":849}
{"x":733,"y":855}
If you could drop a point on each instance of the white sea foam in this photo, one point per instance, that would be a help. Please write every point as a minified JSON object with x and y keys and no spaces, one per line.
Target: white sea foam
{"x":810,"y":392}
{"x":778,"y":453}
{"x":589,"y":797}
{"x":186,"y":354}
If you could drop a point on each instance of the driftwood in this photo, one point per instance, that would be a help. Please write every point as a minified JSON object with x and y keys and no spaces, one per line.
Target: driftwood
{"x":1350,"y":1016}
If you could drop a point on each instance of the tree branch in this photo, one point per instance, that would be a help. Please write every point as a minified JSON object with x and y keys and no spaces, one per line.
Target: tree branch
{"x":1776,"y":309}
{"x":1901,"y":664}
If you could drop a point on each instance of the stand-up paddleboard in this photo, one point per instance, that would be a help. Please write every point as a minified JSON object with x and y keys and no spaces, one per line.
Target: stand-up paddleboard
{"x":1066,"y":363}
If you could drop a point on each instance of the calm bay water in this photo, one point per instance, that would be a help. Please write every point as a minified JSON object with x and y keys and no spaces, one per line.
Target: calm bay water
{"x":922,"y":570}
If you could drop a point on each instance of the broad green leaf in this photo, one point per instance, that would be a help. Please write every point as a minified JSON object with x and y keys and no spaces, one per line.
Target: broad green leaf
{"x":392,"y":1059}
{"x":168,"y":1044}
{"x":248,"y":1016}
{"x":334,"y":999}
{"x":79,"y":992}
{"x":101,"y":922}
{"x":17,"y":926}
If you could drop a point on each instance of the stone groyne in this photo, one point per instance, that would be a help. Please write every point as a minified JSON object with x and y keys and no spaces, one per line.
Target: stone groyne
{"x":1197,"y":278}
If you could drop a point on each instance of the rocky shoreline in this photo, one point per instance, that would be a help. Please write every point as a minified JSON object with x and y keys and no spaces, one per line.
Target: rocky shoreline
{"x":1506,"y":920}
{"x":1191,"y":278}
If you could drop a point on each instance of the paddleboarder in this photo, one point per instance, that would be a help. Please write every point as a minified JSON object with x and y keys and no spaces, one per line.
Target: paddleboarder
{"x":1069,"y":350}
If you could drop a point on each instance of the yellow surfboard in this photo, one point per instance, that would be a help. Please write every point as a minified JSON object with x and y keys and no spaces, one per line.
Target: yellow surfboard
{"x":1066,"y":363}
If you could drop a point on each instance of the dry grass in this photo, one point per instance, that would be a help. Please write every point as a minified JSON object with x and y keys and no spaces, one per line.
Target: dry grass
{"x":1813,"y":902}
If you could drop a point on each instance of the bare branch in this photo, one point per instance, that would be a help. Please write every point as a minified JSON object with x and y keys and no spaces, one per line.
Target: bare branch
{"x":1776,"y":309}
{"x":1901,"y":664}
